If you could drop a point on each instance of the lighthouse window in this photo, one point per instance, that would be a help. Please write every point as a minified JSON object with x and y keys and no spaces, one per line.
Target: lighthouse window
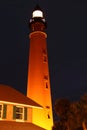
{"x":44,"y":55}
{"x":44,"y":51}
{"x":46,"y":77}
{"x":44,"y":58}
{"x":48,"y":116}
{"x":46,"y":84}
{"x":48,"y":107}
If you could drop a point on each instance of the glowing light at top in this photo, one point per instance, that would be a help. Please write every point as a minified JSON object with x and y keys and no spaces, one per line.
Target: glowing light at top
{"x":37,"y":13}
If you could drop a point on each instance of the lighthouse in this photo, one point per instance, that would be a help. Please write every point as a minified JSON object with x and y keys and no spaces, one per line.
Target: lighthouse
{"x":38,"y":86}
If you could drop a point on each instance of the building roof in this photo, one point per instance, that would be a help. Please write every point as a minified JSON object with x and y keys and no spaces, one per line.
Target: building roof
{"x":10,"y":125}
{"x":11,"y":95}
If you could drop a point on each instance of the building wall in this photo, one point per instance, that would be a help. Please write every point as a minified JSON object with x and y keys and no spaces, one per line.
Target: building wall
{"x":11,"y":125}
{"x":8,"y":113}
{"x":40,"y":118}
{"x":29,"y":115}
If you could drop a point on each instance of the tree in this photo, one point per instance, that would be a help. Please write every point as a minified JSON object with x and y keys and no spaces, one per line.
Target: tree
{"x":60,"y":125}
{"x":62,"y":107}
{"x":73,"y":115}
{"x":83,"y":102}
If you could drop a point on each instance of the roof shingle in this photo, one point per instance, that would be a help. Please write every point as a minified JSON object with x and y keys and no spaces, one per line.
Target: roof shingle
{"x":10,"y":94}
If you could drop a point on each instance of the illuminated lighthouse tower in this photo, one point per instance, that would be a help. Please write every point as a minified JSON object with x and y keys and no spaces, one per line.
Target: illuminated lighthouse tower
{"x":38,"y":87}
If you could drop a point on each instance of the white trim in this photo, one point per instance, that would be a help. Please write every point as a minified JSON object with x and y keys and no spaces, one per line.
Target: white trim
{"x":25,"y":105}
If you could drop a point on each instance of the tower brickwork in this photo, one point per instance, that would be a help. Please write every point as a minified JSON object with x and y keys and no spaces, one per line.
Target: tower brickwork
{"x":38,"y":87}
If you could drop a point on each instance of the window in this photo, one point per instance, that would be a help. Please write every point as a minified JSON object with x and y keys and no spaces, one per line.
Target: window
{"x":46,"y":77}
{"x":44,"y":58}
{"x":44,"y":55}
{"x":48,"y":116}
{"x":46,"y":81}
{"x":46,"y":84}
{"x":1,"y":110}
{"x":48,"y":107}
{"x":44,"y":51}
{"x":19,"y":113}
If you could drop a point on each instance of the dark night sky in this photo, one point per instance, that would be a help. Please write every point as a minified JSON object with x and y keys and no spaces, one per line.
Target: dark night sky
{"x":66,"y":42}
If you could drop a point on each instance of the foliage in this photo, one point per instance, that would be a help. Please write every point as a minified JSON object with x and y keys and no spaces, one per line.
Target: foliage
{"x":73,"y":115}
{"x":60,"y":125}
{"x":62,"y":107}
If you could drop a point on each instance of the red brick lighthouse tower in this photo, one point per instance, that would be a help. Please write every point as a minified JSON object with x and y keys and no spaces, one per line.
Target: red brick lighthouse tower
{"x":38,"y":87}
